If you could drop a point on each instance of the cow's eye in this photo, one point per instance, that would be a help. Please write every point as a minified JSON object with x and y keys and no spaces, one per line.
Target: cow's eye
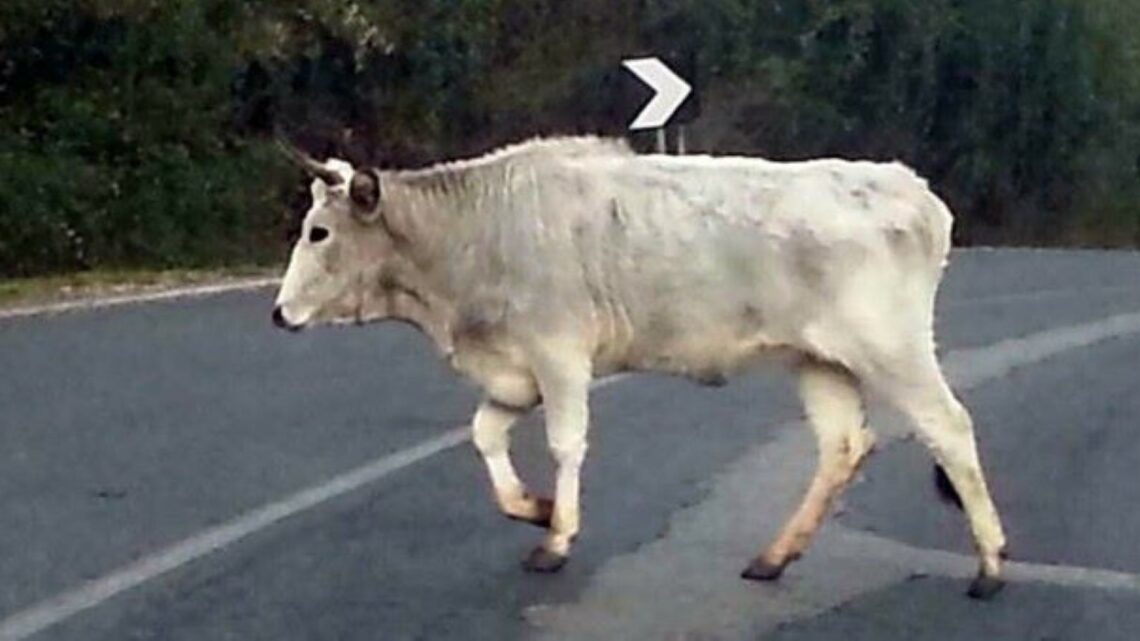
{"x":317,"y":234}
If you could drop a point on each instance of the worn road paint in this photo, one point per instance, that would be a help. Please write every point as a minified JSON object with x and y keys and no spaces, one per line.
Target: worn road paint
{"x":966,"y":367}
{"x":194,"y":291}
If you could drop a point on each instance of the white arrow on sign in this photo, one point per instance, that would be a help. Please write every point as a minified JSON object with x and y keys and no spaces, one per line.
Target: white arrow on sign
{"x":671,"y":91}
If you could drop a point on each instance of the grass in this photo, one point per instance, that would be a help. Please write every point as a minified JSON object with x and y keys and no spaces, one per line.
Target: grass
{"x":21,"y":292}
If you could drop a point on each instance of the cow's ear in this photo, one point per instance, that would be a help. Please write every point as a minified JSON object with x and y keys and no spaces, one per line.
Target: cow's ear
{"x":364,"y":190}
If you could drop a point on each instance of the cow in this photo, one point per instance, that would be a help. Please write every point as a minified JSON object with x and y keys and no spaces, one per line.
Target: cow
{"x":543,"y":265}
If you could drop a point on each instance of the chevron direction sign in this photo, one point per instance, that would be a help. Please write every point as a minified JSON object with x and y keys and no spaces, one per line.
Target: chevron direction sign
{"x":671,"y":90}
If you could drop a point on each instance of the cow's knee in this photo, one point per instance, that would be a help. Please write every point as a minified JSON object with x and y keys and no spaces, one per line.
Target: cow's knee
{"x":568,"y":451}
{"x":860,"y":443}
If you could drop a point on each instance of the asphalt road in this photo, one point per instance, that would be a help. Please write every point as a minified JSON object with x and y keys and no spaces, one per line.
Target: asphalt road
{"x":125,"y":431}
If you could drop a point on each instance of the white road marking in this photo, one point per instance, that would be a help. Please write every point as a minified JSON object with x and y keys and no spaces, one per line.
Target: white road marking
{"x":952,"y":564}
{"x":193,"y":291}
{"x":685,"y":585}
{"x":92,"y":593}
{"x":967,"y":368}
{"x":28,"y":622}
{"x":63,"y":606}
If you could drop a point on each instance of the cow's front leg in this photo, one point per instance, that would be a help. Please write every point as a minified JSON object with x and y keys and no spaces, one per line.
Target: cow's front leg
{"x":565,"y":391}
{"x":490,"y":430}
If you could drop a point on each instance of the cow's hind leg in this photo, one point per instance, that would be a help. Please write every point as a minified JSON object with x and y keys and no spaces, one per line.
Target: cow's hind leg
{"x":834,"y":408}
{"x":944,"y":424}
{"x":491,"y":433}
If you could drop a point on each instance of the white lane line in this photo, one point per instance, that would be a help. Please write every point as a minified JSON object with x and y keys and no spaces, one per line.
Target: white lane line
{"x":58,"y":608}
{"x":46,"y":613}
{"x":146,"y":297}
{"x":28,"y":622}
{"x":952,"y":564}
{"x":685,"y":585}
{"x":969,"y":367}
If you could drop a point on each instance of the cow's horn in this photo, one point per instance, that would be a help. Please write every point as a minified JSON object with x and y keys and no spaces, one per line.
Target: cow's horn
{"x":311,"y":166}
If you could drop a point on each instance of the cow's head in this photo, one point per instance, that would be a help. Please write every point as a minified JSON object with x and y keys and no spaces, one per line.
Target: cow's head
{"x":337,"y":260}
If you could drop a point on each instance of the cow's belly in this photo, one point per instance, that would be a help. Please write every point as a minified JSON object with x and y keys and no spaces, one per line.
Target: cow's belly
{"x":709,"y":356}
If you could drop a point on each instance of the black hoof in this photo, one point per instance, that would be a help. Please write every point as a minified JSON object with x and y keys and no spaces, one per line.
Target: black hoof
{"x":761,"y":570}
{"x":985,"y":587}
{"x":544,"y":561}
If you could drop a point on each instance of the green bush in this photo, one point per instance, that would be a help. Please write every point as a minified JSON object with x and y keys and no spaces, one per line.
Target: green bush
{"x":136,"y":133}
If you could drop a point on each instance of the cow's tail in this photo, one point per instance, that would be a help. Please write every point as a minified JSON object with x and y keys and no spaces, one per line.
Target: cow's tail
{"x":945,"y":488}
{"x":939,"y":225}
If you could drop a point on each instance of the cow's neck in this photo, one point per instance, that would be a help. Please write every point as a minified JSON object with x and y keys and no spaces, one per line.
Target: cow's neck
{"x":418,"y":215}
{"x":403,"y":295}
{"x":423,"y":316}
{"x":424,"y":212}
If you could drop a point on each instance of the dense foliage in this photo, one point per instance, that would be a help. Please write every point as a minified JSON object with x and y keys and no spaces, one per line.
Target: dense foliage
{"x":138,"y":132}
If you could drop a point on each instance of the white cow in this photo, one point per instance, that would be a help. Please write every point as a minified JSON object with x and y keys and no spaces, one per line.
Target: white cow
{"x":543,"y":265}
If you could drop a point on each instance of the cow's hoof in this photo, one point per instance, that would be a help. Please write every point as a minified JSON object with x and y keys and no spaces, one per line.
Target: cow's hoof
{"x":761,"y":570}
{"x":542,"y":516}
{"x":984,"y":588}
{"x":544,"y":561}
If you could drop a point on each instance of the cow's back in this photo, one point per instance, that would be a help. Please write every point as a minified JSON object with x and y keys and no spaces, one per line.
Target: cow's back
{"x":696,"y":263}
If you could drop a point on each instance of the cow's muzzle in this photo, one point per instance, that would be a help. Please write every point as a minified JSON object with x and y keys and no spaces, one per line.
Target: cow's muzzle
{"x":282,"y":322}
